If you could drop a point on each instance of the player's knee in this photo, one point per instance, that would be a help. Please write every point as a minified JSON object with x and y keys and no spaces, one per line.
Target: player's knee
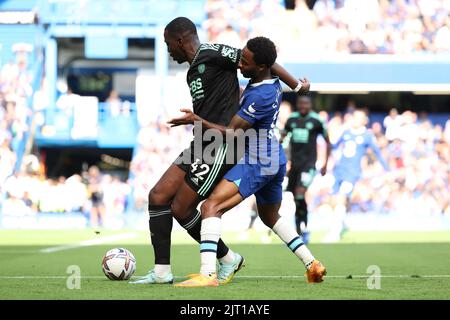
{"x":300,"y":192}
{"x":269,"y":220}
{"x":156,"y":197}
{"x":208,"y":209}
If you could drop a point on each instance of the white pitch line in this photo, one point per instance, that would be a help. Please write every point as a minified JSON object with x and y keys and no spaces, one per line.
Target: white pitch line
{"x":246,"y":277}
{"x":91,"y":242}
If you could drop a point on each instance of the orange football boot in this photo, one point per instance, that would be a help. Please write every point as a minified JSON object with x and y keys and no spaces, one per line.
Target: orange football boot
{"x":199,"y":280}
{"x":316,"y":272}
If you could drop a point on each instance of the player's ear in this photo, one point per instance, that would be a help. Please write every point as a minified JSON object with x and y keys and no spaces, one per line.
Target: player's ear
{"x":180,"y":42}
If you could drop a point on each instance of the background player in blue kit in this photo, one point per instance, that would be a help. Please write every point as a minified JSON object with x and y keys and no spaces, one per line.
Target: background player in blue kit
{"x":347,"y":171}
{"x":260,"y":171}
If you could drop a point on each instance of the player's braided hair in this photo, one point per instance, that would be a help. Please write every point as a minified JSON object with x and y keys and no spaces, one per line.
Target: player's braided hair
{"x":181,"y":26}
{"x":264,"y":51}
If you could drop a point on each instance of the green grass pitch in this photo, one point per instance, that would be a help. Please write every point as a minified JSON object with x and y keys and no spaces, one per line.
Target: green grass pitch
{"x":412,"y":265}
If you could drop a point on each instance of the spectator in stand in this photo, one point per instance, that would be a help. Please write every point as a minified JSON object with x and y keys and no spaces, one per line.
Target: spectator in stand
{"x":344,"y":26}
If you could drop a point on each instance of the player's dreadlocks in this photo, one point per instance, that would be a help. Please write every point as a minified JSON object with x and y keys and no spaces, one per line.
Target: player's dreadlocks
{"x":181,"y":26}
{"x":264,"y":51}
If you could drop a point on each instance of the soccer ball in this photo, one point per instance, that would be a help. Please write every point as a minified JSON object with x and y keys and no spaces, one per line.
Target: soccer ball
{"x":119,"y":264}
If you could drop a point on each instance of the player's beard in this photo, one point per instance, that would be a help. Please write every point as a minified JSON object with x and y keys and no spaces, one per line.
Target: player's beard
{"x":247,"y":74}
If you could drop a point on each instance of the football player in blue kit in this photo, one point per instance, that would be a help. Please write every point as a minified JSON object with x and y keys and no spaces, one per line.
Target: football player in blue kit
{"x":355,"y":142}
{"x":347,"y":170}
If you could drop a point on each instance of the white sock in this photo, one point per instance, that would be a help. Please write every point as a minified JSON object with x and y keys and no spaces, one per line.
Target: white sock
{"x":287,"y":233}
{"x":228,"y":258}
{"x":209,"y":236}
{"x":162,"y":270}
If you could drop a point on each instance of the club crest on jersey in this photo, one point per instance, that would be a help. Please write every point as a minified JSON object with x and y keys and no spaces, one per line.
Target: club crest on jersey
{"x":309,"y":125}
{"x":201,"y":68}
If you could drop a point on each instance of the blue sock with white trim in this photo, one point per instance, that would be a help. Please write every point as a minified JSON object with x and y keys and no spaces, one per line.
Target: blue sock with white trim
{"x":287,"y":233}
{"x":209,"y":235}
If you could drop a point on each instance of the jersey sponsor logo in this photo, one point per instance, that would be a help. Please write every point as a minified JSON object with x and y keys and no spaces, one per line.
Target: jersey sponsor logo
{"x":300,"y":135}
{"x":196,"y":88}
{"x":201,"y":68}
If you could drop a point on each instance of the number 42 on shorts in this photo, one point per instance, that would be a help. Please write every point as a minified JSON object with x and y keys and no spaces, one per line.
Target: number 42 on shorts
{"x":204,"y":167}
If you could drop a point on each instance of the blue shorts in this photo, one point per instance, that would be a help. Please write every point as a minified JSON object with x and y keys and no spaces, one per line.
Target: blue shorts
{"x":250,"y":179}
{"x":344,"y":185}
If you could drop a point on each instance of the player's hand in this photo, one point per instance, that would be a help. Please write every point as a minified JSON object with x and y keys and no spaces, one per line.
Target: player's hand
{"x":305,"y":86}
{"x":188,"y":118}
{"x":323,"y":170}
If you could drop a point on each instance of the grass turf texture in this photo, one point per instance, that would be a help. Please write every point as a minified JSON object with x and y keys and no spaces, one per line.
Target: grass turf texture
{"x":413,"y":266}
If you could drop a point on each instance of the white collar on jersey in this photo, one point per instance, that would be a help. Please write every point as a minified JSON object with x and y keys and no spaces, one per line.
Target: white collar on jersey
{"x":267,"y":81}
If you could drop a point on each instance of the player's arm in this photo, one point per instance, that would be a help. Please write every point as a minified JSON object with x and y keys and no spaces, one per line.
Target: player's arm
{"x":374,"y":146}
{"x":301,"y":87}
{"x":326,"y":137}
{"x":286,"y":130}
{"x":338,"y":142}
{"x":323,"y":170}
{"x":232,"y":129}
{"x":228,"y":58}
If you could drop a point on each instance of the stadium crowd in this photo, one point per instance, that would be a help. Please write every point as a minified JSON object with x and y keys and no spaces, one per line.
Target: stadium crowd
{"x":15,"y":89}
{"x":418,"y":181}
{"x":334,"y":26}
{"x":417,"y":151}
{"x":92,"y":192}
{"x":153,"y":157}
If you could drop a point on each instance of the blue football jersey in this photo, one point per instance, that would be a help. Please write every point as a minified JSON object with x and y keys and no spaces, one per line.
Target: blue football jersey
{"x":260,"y":105}
{"x":354,"y":145}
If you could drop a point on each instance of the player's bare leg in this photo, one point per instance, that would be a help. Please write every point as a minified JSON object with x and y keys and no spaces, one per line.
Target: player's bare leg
{"x":245,"y":235}
{"x":97,"y":216}
{"x":160,"y":224}
{"x":184,"y":210}
{"x":269,"y":215}
{"x":225,"y":196}
{"x":339,"y":204}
